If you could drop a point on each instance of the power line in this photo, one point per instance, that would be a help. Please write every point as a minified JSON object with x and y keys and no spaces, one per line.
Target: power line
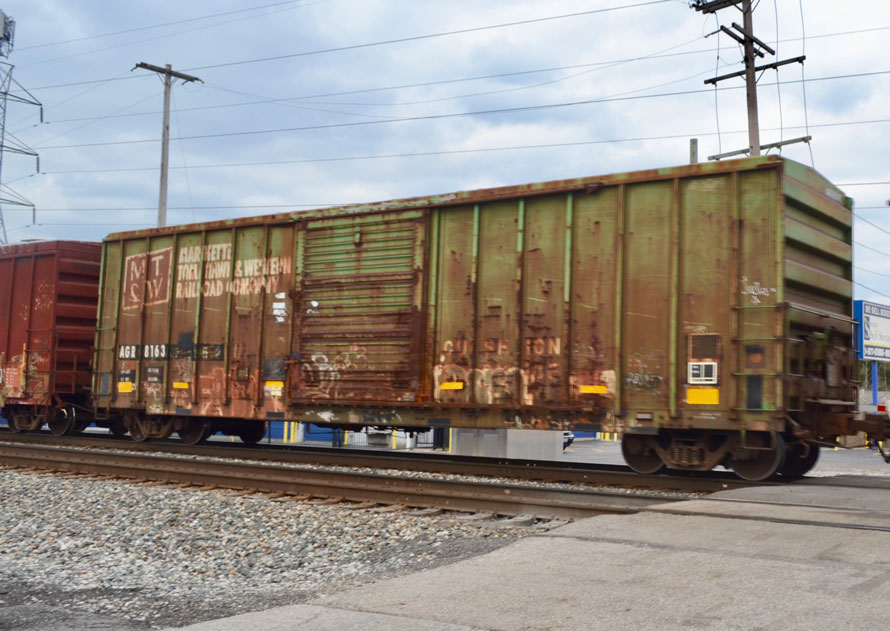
{"x":868,"y":247}
{"x":377,"y":89}
{"x":874,"y":225}
{"x":862,"y":269}
{"x":458,"y":152}
{"x":420,"y":154}
{"x":230,"y":207}
{"x":40,"y":225}
{"x":874,"y":291}
{"x":188,"y":182}
{"x":389,"y":118}
{"x":416,"y":38}
{"x":413,"y":38}
{"x":803,"y":82}
{"x":129,"y":43}
{"x":504,"y":110}
{"x":154,"y":26}
{"x":793,"y":39}
{"x":599,"y":66}
{"x":78,"y":95}
{"x":508,"y":110}
{"x":716,"y":92}
{"x":778,"y":81}
{"x":99,"y":118}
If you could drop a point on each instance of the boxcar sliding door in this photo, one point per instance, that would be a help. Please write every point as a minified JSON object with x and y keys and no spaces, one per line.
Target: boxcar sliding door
{"x":359,"y":328}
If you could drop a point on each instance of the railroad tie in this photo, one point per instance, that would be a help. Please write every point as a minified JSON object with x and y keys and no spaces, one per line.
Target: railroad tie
{"x":425,"y":512}
{"x":389,"y":508}
{"x":361,"y":505}
{"x":520,"y":521}
{"x":293,"y":498}
{"x":323,"y":501}
{"x":475,"y":517}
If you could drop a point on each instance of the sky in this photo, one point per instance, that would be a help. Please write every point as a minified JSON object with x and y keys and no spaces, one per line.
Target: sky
{"x":311,"y":103}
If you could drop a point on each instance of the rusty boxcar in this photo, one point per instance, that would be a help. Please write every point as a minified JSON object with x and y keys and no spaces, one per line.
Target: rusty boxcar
{"x":705,"y":308}
{"x":47,"y":324}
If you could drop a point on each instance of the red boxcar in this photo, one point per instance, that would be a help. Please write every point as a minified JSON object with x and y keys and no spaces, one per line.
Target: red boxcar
{"x":46,"y":332}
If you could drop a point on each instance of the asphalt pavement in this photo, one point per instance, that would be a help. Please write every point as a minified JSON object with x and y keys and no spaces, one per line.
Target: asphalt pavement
{"x":795,"y":557}
{"x":811,"y":555}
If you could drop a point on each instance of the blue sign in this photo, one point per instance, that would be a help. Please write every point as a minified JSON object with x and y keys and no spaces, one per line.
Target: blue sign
{"x":873,"y":341}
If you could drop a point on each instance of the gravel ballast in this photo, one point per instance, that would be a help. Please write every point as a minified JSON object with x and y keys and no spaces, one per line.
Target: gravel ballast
{"x":79,"y":553}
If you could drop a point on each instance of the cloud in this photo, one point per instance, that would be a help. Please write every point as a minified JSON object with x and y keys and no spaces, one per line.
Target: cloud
{"x":842,"y":153}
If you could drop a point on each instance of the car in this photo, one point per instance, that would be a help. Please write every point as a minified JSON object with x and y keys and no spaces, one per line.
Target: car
{"x":567,"y":439}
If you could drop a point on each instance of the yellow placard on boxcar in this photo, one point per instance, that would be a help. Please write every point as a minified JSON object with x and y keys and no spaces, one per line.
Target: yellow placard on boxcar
{"x":452,"y":385}
{"x":125,"y":386}
{"x":273,"y":388}
{"x":703,"y":396}
{"x":180,"y":385}
{"x":594,"y":390}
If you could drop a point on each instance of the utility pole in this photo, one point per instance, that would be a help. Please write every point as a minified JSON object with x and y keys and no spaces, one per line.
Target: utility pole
{"x":751,"y":80}
{"x":169,"y":75}
{"x":753,"y":48}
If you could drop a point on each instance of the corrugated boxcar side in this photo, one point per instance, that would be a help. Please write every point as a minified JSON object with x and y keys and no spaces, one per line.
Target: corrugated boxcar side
{"x":48,"y":323}
{"x":525,"y":302}
{"x":593,"y":300}
{"x":187,"y":319}
{"x":239,"y":321}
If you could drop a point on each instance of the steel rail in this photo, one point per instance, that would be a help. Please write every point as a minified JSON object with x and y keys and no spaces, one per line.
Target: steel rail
{"x":457,"y":495}
{"x":540,"y":470}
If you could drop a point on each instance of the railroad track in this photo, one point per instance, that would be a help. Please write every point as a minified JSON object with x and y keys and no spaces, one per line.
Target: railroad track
{"x":537,"y":470}
{"x":499,"y":498}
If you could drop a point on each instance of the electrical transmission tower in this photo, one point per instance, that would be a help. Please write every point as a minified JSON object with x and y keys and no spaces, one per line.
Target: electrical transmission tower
{"x":754,"y":48}
{"x":8,"y":142}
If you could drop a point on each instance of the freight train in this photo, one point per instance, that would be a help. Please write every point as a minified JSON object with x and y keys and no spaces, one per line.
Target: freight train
{"x":706,"y":310}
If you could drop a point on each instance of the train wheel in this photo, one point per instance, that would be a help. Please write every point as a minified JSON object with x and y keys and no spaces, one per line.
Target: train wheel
{"x":640,"y":455}
{"x":117,"y":428}
{"x":18,"y":420}
{"x":159,"y":427}
{"x":799,"y":459}
{"x":60,"y":423}
{"x":761,"y":463}
{"x":252,"y":432}
{"x":193,"y":431}
{"x":137,"y":434}
{"x":131,"y":422}
{"x":26,"y":419}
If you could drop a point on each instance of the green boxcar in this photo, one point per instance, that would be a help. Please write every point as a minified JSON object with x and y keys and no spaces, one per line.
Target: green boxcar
{"x":704,"y":309}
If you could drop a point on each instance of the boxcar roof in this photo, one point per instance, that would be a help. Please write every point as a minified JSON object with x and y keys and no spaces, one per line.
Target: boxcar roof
{"x":589,"y":184}
{"x":31,"y":247}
